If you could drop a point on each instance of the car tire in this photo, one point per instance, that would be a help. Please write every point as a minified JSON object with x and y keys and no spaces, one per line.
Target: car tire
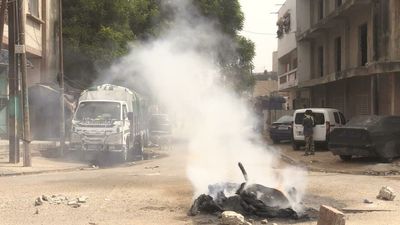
{"x":275,"y":141}
{"x":346,"y":158}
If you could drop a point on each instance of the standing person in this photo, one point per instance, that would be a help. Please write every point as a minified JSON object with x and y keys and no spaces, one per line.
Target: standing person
{"x":308,"y":131}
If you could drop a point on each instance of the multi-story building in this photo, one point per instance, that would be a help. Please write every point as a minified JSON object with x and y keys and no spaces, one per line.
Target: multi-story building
{"x":41,"y":47}
{"x":349,"y":54}
{"x":288,"y":56}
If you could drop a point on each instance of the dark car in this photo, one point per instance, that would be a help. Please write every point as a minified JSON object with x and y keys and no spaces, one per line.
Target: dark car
{"x":367,"y":136}
{"x":281,"y":129}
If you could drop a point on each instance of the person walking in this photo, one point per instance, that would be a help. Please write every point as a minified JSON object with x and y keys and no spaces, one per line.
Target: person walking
{"x":308,"y":131}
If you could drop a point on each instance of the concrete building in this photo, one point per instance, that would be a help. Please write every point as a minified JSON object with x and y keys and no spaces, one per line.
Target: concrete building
{"x":41,"y":47}
{"x":349,"y":55}
{"x":266,"y":83}
{"x":41,"y":40}
{"x":288,"y":57}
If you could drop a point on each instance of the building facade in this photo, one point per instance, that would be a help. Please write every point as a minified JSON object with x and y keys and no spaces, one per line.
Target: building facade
{"x":287,"y":55}
{"x":41,"y":48}
{"x":349,"y":55}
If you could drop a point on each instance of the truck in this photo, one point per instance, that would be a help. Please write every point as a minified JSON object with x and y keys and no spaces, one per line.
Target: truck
{"x":112,"y":119}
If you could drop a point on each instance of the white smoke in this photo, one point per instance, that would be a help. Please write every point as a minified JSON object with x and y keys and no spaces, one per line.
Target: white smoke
{"x":180,"y":69}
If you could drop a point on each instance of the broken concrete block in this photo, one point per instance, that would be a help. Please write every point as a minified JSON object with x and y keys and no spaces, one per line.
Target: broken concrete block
{"x":264,"y":221}
{"x":82,"y":199}
{"x":386,"y":193}
{"x":232,"y":218}
{"x":38,"y":202}
{"x":45,"y":198}
{"x":330,"y":216}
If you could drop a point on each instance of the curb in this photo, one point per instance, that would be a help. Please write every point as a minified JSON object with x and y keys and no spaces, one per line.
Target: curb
{"x":290,"y":160}
{"x":11,"y":174}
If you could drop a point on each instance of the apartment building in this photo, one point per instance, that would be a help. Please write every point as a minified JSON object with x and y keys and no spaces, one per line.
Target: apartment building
{"x":287,"y":55}
{"x":349,"y":54}
{"x":41,"y":47}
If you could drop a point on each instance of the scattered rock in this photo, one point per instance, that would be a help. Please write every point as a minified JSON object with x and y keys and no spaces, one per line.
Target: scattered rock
{"x":82,"y":199}
{"x":45,"y":198}
{"x":386,"y":193}
{"x":330,"y":216}
{"x":232,"y":218}
{"x":274,"y":224}
{"x":38,"y":202}
{"x":151,"y":167}
{"x":264,"y":221}
{"x":251,"y":221}
{"x":37,"y":212}
{"x":74,"y":204}
{"x":366,"y":201}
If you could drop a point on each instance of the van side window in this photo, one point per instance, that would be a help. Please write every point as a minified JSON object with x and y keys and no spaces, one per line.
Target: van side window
{"x":299,"y":118}
{"x":319,"y":118}
{"x":337,"y":119}
{"x":342,"y":118}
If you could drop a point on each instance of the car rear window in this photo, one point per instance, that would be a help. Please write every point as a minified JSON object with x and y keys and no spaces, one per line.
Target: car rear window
{"x":337,"y":118}
{"x":285,"y":119}
{"x":319,"y":118}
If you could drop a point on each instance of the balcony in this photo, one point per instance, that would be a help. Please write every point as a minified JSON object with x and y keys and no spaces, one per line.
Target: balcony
{"x":288,"y":80}
{"x":334,"y":19}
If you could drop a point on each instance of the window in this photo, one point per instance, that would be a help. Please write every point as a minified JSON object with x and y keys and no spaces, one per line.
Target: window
{"x":321,"y":61}
{"x":34,"y":8}
{"x":320,"y":9}
{"x":338,"y":54}
{"x":342,"y":118}
{"x":363,"y":44}
{"x":337,"y":119}
{"x":319,"y":118}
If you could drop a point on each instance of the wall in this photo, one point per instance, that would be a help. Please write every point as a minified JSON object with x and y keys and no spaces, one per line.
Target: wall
{"x":288,"y":41}
{"x":264,"y":87}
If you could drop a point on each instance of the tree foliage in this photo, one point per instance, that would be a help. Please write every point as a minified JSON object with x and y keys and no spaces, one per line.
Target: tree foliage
{"x":96,"y":32}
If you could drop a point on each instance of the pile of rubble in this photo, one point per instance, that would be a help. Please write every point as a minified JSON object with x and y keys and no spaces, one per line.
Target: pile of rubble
{"x":61,"y":199}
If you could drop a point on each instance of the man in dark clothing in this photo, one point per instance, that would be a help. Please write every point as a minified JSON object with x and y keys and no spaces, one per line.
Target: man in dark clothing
{"x":308,"y":131}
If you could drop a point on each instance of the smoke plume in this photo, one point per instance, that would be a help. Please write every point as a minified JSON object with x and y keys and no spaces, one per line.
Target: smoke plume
{"x":182,"y":72}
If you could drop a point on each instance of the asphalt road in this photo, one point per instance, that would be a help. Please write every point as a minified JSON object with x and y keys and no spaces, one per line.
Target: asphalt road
{"x":158,"y":192}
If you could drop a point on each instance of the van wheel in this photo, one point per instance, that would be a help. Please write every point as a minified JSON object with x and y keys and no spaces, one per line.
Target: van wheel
{"x":296,"y":146}
{"x":345,"y":157}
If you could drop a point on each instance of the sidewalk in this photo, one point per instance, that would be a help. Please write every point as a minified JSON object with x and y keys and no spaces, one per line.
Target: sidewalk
{"x":325,"y":161}
{"x":43,"y":160}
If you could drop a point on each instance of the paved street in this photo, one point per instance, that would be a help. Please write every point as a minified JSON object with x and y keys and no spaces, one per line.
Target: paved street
{"x":158,"y":192}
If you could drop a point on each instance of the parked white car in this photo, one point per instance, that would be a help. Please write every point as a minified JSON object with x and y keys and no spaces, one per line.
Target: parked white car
{"x":325,"y":119}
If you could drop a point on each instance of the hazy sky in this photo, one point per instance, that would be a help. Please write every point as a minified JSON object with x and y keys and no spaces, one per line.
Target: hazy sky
{"x":260,"y":27}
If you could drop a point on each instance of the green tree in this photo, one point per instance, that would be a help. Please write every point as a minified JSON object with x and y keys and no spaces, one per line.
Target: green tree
{"x":237,"y":65}
{"x":96,"y":32}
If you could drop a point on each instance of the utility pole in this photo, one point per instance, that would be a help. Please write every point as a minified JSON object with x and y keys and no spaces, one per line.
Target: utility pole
{"x":14,"y":154}
{"x":24,"y":85}
{"x":61,"y":77}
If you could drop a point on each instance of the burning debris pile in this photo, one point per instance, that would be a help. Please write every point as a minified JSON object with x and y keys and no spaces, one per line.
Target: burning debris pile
{"x":248,"y":200}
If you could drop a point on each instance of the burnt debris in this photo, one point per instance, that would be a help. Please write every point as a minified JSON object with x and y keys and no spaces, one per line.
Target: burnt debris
{"x":248,"y":200}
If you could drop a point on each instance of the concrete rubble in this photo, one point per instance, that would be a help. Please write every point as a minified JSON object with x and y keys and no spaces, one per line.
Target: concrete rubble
{"x":264,"y":221}
{"x":232,"y":218}
{"x":387,"y":194}
{"x":330,"y":216}
{"x":61,"y":199}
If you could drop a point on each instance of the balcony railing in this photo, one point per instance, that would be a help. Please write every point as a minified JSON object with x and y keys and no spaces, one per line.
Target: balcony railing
{"x":288,"y":80}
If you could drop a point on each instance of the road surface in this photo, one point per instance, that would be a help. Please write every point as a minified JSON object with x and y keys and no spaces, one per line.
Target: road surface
{"x":158,"y":192}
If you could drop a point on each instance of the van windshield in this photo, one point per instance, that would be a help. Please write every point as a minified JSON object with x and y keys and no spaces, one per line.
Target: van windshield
{"x":98,"y":111}
{"x":319,"y":118}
